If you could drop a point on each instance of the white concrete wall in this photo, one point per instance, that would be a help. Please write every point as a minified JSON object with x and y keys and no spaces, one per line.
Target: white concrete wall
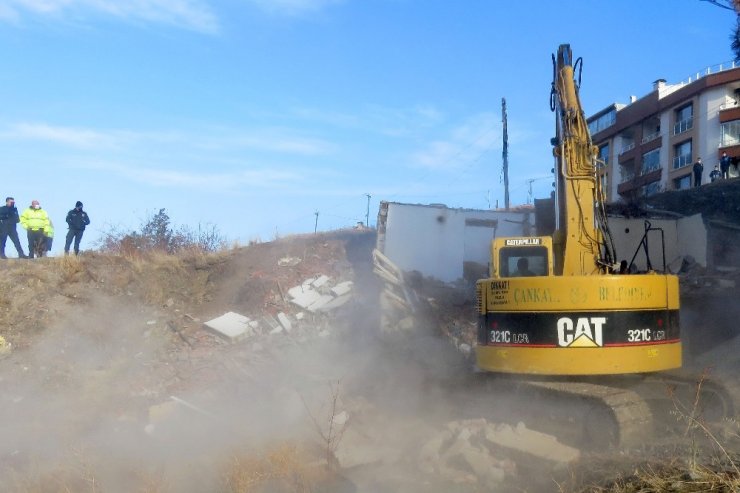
{"x":692,"y":238}
{"x":666,"y":151}
{"x":685,"y":236}
{"x":435,"y":240}
{"x":707,"y":117}
{"x":628,"y":233}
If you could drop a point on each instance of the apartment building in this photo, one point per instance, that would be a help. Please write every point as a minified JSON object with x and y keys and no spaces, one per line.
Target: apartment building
{"x":650,"y":145}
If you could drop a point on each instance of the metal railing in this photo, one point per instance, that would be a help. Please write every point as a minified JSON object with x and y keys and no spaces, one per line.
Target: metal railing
{"x":681,"y":161}
{"x":627,"y":148}
{"x":683,"y":125}
{"x":625,"y":177}
{"x":650,"y":138}
{"x":649,"y":168}
{"x":713,"y":69}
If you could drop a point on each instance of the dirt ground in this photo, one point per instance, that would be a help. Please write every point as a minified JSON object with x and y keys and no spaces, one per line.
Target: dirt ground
{"x":112,"y":384}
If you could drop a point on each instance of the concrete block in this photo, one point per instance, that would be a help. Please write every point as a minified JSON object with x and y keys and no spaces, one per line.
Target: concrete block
{"x":320,"y":281}
{"x":335,"y":303}
{"x":284,"y":321}
{"x":531,"y":442}
{"x":306,"y":298}
{"x":319,"y":303}
{"x":483,"y":465}
{"x":342,"y":288}
{"x":289,"y":261}
{"x":231,"y":326}
{"x":308,"y":282}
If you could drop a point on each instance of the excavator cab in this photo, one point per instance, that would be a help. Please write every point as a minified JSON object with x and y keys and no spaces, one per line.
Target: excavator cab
{"x":521,"y":257}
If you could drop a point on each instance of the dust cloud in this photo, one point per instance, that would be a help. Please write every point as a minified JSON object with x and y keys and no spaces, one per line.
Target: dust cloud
{"x":111,"y":399}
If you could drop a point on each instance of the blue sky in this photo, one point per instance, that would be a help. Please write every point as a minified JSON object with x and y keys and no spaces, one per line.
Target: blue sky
{"x":252,"y":115}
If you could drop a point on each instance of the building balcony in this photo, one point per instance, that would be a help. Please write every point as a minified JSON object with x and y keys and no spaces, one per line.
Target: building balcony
{"x":627,"y":154}
{"x":729,"y":113}
{"x":683,"y":126}
{"x":650,"y":138}
{"x":627,"y":148}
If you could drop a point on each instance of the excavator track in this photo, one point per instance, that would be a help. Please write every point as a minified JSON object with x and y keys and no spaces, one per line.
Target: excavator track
{"x":624,"y":411}
{"x":620,"y":417}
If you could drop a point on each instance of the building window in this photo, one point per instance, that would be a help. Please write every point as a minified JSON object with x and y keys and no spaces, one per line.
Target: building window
{"x":730,"y":133}
{"x":650,"y":130}
{"x":682,"y":154}
{"x":651,"y":189}
{"x":650,"y":161}
{"x":603,"y":155}
{"x":627,"y":171}
{"x":684,"y":119}
{"x":604,"y":121}
{"x":682,"y":183}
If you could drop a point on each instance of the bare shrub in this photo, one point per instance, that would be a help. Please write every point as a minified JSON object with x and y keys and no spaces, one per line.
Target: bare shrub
{"x":157,"y":234}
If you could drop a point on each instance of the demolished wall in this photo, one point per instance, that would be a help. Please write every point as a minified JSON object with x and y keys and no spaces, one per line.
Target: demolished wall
{"x":445,"y":243}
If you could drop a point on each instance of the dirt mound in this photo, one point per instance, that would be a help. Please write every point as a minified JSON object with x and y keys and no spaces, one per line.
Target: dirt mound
{"x":111,"y":369}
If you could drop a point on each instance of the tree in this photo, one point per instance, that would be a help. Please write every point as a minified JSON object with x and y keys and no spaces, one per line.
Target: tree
{"x":733,"y":5}
{"x":157,"y":234}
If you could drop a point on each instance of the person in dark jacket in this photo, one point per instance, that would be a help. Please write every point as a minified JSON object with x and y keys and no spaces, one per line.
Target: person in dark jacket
{"x":77,"y":220}
{"x":8,"y":219}
{"x":724,"y":165}
{"x":698,"y":170}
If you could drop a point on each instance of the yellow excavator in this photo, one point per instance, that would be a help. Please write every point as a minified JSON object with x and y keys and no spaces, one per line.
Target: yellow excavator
{"x":556,"y":305}
{"x":559,"y":309}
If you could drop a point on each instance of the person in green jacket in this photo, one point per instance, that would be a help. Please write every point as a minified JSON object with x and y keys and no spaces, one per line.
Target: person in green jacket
{"x":36,"y":222}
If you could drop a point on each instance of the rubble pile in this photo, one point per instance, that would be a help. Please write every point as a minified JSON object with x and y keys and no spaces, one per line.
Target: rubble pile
{"x":314,"y":297}
{"x":478,"y":452}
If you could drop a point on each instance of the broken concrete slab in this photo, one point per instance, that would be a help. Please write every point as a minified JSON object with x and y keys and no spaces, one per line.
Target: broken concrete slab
{"x":306,"y":298}
{"x":284,"y":321}
{"x":320,"y":281}
{"x":535,"y":443}
{"x":356,"y":449}
{"x":483,"y":465}
{"x":231,"y":326}
{"x":342,"y":288}
{"x":319,"y":303}
{"x":335,"y":303}
{"x":289,"y":261}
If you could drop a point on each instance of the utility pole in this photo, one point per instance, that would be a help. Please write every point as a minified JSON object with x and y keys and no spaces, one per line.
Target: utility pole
{"x":505,"y":154}
{"x":316,"y":224}
{"x":367,"y":214}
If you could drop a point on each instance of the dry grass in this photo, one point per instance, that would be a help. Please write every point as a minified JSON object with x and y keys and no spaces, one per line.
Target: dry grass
{"x":284,"y":467}
{"x":32,"y":292}
{"x":665,"y":475}
{"x":76,"y":475}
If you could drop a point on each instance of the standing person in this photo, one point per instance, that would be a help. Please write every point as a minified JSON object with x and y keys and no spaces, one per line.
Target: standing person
{"x":724,"y":165}
{"x":698,"y":170}
{"x":49,"y":234}
{"x":8,"y":219}
{"x":35,"y":221}
{"x":77,"y":220}
{"x":715,"y":174}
